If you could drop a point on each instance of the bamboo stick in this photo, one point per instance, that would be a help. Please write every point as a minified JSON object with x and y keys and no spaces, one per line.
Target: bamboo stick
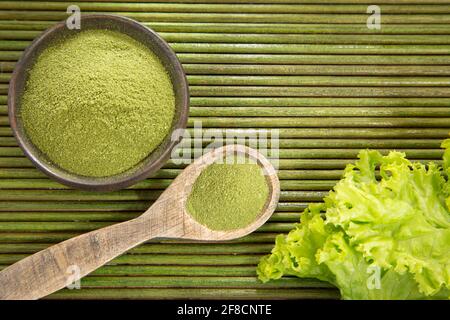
{"x":289,"y":111}
{"x":10,"y":56}
{"x":278,"y":227}
{"x":292,"y":206}
{"x":4,"y":77}
{"x":74,"y":205}
{"x":20,"y":173}
{"x":301,"y":185}
{"x":296,"y":185}
{"x":164,"y":259}
{"x":6,"y":66}
{"x":123,"y":195}
{"x":238,"y":69}
{"x":313,"y":83}
{"x":267,"y":28}
{"x":289,"y":164}
{"x":281,"y":1}
{"x":286,"y":185}
{"x":282,"y":153}
{"x":317,"y":102}
{"x":270,"y":43}
{"x":323,"y":122}
{"x":153,"y":184}
{"x":278,"y":91}
{"x":255,"y":48}
{"x":262,"y":38}
{"x":238,"y":17}
{"x":347,"y":133}
{"x":340,"y":122}
{"x":334,"y":132}
{"x":6,"y":45}
{"x":3,"y":87}
{"x":151,"y":270}
{"x":308,"y":163}
{"x":77,"y":205}
{"x":338,"y":70}
{"x":18,"y":183}
{"x":15,"y":162}
{"x":65,"y":226}
{"x":51,"y":227}
{"x":285,"y":217}
{"x":199,"y":282}
{"x":103,"y":216}
{"x":204,"y":248}
{"x":8,"y":142}
{"x":196,"y":293}
{"x":292,"y":59}
{"x":32,"y":173}
{"x":10,"y":152}
{"x":5,"y":132}
{"x":67,"y":216}
{"x":310,"y":59}
{"x":343,"y":81}
{"x":54,"y":237}
{"x":288,"y":143}
{"x":323,"y":112}
{"x":157,"y":184}
{"x":60,"y":195}
{"x":310,"y":174}
{"x":18,"y":34}
{"x":225,"y":8}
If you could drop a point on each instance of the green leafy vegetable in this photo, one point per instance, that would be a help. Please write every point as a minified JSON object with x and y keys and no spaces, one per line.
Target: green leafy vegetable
{"x":376,"y":236}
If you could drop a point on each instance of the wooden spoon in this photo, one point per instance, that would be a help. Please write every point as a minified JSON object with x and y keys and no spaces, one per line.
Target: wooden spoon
{"x":48,"y":270}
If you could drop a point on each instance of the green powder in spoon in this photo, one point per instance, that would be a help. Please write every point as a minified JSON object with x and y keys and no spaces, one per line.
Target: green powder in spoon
{"x":97,"y":103}
{"x":228,"y":196}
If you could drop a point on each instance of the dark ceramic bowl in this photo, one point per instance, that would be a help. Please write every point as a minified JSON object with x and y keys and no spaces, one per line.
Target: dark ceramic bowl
{"x":149,"y":165}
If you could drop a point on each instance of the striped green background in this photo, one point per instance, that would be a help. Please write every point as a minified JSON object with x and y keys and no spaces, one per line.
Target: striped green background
{"x":310,"y":68}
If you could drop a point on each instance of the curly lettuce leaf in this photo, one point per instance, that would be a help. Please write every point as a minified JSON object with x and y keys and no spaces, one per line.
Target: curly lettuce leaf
{"x":397,"y":223}
{"x":295,"y":254}
{"x":446,"y":165}
{"x":446,"y":145}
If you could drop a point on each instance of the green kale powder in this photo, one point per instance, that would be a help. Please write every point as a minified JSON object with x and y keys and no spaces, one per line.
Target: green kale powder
{"x":97,"y":103}
{"x":228,"y":196}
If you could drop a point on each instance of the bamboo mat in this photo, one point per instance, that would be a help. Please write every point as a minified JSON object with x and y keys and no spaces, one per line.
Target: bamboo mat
{"x":310,"y":68}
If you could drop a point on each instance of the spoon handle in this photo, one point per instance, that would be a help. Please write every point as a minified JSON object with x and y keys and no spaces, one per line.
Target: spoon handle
{"x":60,"y":265}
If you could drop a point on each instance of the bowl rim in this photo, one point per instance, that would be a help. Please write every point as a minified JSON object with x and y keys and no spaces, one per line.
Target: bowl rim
{"x":109,"y":183}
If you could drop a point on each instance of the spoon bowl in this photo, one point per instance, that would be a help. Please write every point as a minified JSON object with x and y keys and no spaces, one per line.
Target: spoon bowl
{"x":180,"y":224}
{"x":52,"y":269}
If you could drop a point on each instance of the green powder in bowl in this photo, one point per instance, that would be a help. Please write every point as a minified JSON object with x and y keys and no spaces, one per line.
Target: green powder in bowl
{"x":228,"y":196}
{"x":97,"y":103}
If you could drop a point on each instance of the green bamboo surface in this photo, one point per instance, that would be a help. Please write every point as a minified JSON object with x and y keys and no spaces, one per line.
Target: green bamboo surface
{"x":311,"y":69}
